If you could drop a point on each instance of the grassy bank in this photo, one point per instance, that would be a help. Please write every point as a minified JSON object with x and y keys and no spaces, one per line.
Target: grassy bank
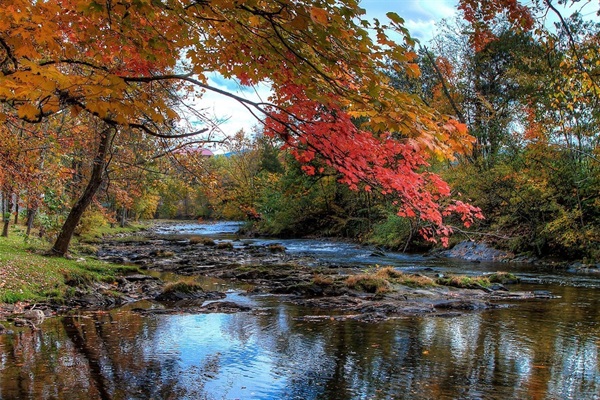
{"x":27,"y":274}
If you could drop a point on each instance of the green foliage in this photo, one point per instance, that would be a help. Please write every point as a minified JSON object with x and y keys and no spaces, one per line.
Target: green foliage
{"x":91,"y":220}
{"x":542,"y":200}
{"x":394,"y":232}
{"x":145,"y":206}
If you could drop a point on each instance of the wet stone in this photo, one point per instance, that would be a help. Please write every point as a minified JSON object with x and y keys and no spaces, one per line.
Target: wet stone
{"x":139,"y":277}
{"x":224,"y":307}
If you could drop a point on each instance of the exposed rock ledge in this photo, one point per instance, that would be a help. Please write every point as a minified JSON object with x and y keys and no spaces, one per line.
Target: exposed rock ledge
{"x":476,"y":251}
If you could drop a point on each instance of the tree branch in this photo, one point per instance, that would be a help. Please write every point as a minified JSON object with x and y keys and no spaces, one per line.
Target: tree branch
{"x":459,"y":114}
{"x":572,"y":43}
{"x":9,"y":54}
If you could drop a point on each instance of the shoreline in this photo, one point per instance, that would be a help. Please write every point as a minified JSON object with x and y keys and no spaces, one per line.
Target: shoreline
{"x":263,"y":270}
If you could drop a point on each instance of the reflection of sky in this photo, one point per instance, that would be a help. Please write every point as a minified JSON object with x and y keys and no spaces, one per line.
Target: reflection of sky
{"x":230,"y":356}
{"x":536,"y":349}
{"x":475,"y":355}
{"x":229,"y":364}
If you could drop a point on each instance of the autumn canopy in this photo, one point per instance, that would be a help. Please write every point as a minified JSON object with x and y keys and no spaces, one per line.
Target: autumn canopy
{"x":133,"y":65}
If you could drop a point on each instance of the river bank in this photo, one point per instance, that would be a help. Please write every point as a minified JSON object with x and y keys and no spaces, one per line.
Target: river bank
{"x":368,"y":294}
{"x":208,"y":314}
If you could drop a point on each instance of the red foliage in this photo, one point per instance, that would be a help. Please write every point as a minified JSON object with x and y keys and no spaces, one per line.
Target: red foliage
{"x":365,"y":160}
{"x":481,"y":15}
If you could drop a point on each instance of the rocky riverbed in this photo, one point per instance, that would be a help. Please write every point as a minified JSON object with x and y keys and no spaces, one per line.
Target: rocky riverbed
{"x":267,"y":269}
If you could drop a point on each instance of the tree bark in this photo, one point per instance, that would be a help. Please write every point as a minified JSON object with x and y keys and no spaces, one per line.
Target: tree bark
{"x":61,"y":246}
{"x":3,"y":212}
{"x":8,"y":199}
{"x":123,"y":217}
{"x":30,"y":218}
{"x":459,"y":114}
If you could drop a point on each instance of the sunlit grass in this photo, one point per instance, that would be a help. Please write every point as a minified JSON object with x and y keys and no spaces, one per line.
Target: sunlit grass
{"x":100,"y":231}
{"x":28,"y":274}
{"x":381,"y":280}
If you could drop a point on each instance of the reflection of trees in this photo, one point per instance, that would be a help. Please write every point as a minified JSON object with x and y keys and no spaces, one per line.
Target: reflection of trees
{"x":534,"y":350}
{"x":91,"y":352}
{"x":99,"y":356}
{"x":39,"y":365}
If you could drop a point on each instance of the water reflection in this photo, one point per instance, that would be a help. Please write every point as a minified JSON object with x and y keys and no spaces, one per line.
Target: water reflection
{"x":535,"y":350}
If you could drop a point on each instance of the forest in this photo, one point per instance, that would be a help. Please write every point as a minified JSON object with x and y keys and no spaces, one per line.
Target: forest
{"x":487,"y":133}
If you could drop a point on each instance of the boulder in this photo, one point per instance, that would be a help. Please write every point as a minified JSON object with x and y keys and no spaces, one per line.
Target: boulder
{"x":476,"y":251}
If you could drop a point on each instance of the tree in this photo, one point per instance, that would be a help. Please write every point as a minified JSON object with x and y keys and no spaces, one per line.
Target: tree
{"x":134,"y":64}
{"x":541,"y":188}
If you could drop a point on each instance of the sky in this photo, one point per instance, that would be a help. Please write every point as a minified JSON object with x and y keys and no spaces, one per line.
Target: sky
{"x":420,"y":18}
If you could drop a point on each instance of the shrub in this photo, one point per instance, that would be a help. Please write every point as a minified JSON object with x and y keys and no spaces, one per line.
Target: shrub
{"x":276,"y":248}
{"x":182,"y":287}
{"x":502,"y":277}
{"x":368,"y":283}
{"x":464,"y":282}
{"x":322,"y":280}
{"x":393,"y":232}
{"x":197,"y":240}
{"x":412,"y":280}
{"x":90,"y":221}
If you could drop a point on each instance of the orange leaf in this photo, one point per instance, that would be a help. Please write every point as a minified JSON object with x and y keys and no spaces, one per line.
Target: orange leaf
{"x":319,"y":16}
{"x":28,"y":112}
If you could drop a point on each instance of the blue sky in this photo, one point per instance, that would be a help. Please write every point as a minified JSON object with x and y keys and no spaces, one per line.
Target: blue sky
{"x":420,"y":16}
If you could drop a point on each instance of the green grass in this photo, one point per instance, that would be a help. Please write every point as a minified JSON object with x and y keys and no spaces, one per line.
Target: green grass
{"x":27,"y":274}
{"x":98,"y":232}
{"x":183,"y":286}
{"x":369,"y":283}
{"x":381,"y":280}
{"x":464,"y":282}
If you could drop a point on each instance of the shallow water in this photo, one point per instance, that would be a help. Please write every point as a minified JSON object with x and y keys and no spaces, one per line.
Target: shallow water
{"x":538,"y":349}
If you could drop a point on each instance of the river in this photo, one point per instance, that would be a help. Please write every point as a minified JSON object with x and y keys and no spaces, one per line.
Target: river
{"x":536,"y":349}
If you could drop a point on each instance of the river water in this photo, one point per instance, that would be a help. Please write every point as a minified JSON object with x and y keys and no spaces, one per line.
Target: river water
{"x":537,"y":349}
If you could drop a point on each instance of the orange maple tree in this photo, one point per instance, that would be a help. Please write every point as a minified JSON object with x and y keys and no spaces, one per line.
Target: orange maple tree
{"x":131,"y":64}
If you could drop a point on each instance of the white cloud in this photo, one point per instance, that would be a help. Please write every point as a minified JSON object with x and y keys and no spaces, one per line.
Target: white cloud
{"x":420,"y":16}
{"x":232,"y":114}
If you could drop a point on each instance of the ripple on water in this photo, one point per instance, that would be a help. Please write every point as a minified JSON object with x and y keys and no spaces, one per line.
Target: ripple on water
{"x":542,"y":348}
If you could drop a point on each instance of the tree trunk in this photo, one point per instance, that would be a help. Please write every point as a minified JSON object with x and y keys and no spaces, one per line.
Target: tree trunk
{"x":4,"y":219}
{"x":123,"y":217}
{"x":16,"y":211}
{"x":30,"y":218}
{"x":8,"y":199}
{"x":61,"y":246}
